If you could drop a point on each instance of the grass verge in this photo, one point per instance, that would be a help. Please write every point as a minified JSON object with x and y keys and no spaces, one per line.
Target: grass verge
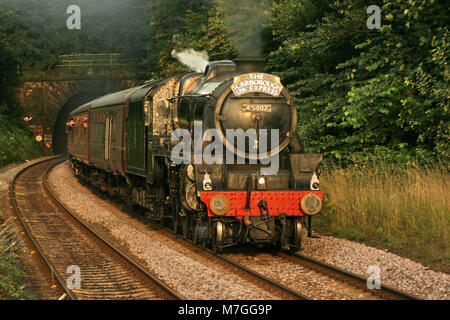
{"x":406,"y":210}
{"x":12,"y":277}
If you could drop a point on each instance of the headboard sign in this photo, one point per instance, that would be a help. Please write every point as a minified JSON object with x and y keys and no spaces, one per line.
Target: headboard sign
{"x":257,"y":82}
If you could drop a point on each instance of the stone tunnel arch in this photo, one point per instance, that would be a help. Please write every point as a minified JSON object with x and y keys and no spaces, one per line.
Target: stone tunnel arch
{"x":47,"y":103}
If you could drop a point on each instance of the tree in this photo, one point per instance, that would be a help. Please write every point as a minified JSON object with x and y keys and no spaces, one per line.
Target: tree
{"x":366,"y":91}
{"x":205,"y":30}
{"x":166,"y":19}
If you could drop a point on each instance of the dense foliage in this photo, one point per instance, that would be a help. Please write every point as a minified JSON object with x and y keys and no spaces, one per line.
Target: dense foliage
{"x":16,"y":141}
{"x":12,"y":276}
{"x":181,"y":24}
{"x":364,"y":91}
{"x":359,"y":91}
{"x":36,"y":31}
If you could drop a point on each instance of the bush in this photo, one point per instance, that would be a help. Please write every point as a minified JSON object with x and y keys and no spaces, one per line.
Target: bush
{"x":12,"y":278}
{"x":16,"y":142}
{"x":360,"y":90}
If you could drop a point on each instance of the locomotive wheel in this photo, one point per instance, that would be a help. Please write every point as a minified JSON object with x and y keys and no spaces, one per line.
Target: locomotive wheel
{"x":217,"y":237}
{"x":298,"y":235}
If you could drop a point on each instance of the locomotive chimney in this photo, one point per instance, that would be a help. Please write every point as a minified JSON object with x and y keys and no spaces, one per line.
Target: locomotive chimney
{"x":247,"y":64}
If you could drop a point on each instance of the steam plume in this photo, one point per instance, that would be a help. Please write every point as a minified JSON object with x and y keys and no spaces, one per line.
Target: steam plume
{"x":194,"y":60}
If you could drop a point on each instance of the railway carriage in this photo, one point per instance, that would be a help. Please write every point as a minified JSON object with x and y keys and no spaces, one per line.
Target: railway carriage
{"x":244,"y":175}
{"x":77,"y":139}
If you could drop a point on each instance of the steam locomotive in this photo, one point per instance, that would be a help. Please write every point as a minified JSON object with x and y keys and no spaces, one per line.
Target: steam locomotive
{"x":214,"y":155}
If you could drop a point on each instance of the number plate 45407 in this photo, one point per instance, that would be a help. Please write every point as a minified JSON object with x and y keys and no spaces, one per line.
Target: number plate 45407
{"x":256,"y":108}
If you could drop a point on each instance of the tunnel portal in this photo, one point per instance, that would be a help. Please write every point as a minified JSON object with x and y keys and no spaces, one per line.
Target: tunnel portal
{"x":59,"y":130}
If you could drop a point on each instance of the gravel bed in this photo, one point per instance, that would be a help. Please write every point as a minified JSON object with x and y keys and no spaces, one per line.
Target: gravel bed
{"x":194,"y":277}
{"x":183,"y":271}
{"x":36,"y":286}
{"x":297,"y":277}
{"x":8,"y":172}
{"x":395,"y":271}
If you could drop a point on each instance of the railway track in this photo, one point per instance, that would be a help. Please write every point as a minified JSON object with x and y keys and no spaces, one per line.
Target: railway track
{"x":67,"y":244}
{"x":265,"y":283}
{"x":282,"y":291}
{"x":352,"y":279}
{"x":317,"y":275}
{"x":353,"y":284}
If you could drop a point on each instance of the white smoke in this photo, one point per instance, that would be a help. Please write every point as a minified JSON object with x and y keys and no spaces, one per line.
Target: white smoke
{"x":194,"y":60}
